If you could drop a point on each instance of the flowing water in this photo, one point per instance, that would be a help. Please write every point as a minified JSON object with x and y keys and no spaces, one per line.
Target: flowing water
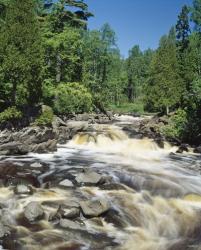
{"x":155,"y":195}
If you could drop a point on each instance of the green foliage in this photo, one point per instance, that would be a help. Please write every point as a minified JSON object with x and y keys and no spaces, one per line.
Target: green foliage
{"x":10,"y":114}
{"x":136,"y":107}
{"x":177,"y":125}
{"x":20,"y":54}
{"x":45,"y":119}
{"x":165,"y":86}
{"x":72,"y":98}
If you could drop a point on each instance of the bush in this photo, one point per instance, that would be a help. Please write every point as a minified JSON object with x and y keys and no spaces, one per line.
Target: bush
{"x":72,"y":98}
{"x":46,"y":118}
{"x":10,"y":114}
{"x":177,"y":125}
{"x":136,"y":107}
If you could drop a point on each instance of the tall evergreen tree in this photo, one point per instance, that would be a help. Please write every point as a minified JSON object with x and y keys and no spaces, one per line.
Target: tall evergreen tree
{"x":20,"y":54}
{"x":165,"y":87}
{"x":183,"y":29}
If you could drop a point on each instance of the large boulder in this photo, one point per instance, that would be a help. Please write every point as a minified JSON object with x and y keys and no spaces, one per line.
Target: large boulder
{"x":95,"y":207}
{"x":33,"y":211}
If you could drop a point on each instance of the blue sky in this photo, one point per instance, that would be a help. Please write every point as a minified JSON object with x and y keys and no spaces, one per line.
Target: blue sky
{"x":140,"y":22}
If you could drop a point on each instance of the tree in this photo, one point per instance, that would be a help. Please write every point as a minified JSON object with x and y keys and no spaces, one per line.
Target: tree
{"x":165,"y":86}
{"x":183,"y":29}
{"x":196,"y":14}
{"x":20,"y":54}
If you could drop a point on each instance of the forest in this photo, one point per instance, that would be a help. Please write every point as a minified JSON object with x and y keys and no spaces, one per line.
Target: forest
{"x":49,"y":56}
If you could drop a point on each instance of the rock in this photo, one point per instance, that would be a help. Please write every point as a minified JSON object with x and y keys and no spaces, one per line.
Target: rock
{"x":94,"y":208}
{"x":66,"y":183}
{"x":45,"y":147}
{"x":4,"y":231}
{"x":23,"y":189}
{"x":65,"y":223}
{"x":71,"y":213}
{"x":67,"y":213}
{"x":13,"y":148}
{"x":33,"y":211}
{"x":182,"y":148}
{"x":197,"y":150}
{"x":88,"y":177}
{"x":7,"y":218}
{"x":36,"y":165}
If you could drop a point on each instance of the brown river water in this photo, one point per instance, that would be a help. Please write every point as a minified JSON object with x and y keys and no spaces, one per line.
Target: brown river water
{"x":155,"y":204}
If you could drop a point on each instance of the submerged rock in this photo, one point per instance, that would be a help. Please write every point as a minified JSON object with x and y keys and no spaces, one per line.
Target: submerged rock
{"x":88,"y":177}
{"x":94,"y":208}
{"x":33,"y":211}
{"x":23,"y":189}
{"x":66,"y":183}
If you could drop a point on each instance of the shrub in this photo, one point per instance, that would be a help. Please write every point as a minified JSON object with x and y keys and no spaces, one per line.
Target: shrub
{"x":46,"y":118}
{"x":72,"y":98}
{"x":10,"y":114}
{"x":177,"y":125}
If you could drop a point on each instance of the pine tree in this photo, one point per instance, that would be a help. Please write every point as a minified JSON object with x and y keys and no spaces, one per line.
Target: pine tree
{"x":183,"y":29}
{"x":20,"y":54}
{"x":165,"y":87}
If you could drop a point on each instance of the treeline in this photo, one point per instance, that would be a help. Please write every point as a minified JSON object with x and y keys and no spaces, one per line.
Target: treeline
{"x":48,"y":56}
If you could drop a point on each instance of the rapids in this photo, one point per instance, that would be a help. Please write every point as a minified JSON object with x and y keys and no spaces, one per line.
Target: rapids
{"x":155,"y":204}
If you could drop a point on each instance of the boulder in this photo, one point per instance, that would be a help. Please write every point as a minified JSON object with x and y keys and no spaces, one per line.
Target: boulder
{"x":95,"y":207}
{"x":88,"y":177}
{"x":33,"y":211}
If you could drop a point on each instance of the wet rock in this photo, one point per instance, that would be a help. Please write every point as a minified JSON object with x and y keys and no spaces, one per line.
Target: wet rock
{"x":72,"y":213}
{"x":65,"y":223}
{"x":197,"y":150}
{"x":66,"y":183}
{"x":13,"y":148}
{"x":182,"y":148}
{"x":67,"y":213}
{"x":44,"y":147}
{"x":113,"y":186}
{"x":7,"y":218}
{"x":21,"y":189}
{"x":94,"y":208}
{"x":36,"y":165}
{"x":113,"y":216}
{"x":33,"y":211}
{"x":88,"y":177}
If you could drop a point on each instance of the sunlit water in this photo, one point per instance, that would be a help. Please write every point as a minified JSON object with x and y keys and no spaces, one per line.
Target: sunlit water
{"x":159,"y":206}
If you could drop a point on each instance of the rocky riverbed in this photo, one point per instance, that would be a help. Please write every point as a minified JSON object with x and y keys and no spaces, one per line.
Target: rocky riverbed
{"x":102,"y":186}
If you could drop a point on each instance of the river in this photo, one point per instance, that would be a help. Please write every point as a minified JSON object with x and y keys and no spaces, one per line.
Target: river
{"x":154,"y":195}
